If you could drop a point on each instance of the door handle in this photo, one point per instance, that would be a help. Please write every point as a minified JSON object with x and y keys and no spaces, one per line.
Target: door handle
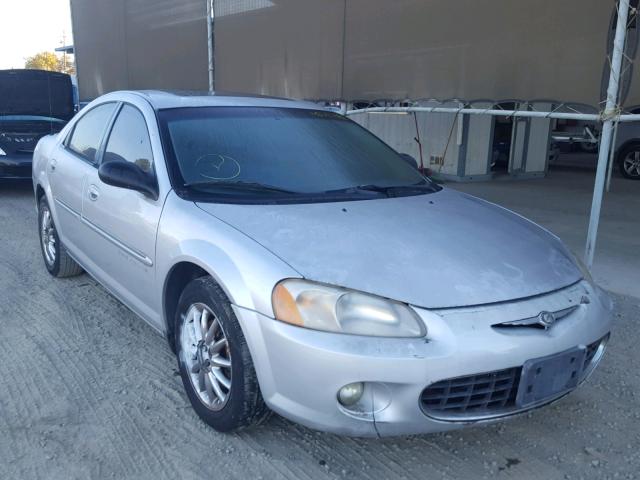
{"x":94,"y":193}
{"x":53,"y":164}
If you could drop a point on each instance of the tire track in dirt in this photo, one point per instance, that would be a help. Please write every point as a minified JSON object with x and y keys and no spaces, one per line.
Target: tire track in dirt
{"x":88,"y":366}
{"x":64,"y":362}
{"x":61,"y":340}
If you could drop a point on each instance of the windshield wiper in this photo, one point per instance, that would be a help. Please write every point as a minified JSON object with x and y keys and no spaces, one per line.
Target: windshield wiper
{"x":239,"y":185}
{"x":359,"y":189}
{"x":386,"y":190}
{"x":422,"y":185}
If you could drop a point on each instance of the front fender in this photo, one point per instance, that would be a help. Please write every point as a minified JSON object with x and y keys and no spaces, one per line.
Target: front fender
{"x":245,"y":270}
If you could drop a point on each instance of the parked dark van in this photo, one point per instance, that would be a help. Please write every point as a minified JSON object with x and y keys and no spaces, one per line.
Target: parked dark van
{"x":33,"y":103}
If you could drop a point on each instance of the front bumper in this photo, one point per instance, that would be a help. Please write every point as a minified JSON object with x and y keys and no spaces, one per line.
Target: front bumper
{"x":16,"y":166}
{"x":300,"y":370}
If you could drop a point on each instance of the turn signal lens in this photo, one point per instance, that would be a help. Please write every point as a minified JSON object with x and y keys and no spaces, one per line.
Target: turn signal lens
{"x":335,"y":309}
{"x":284,"y":306}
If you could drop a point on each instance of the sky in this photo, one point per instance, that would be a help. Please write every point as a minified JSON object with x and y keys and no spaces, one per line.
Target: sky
{"x":32,"y":26}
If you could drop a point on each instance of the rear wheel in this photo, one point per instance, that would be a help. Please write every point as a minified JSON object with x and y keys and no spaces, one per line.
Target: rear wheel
{"x":629,"y":161}
{"x":214,"y":360}
{"x":56,"y":258}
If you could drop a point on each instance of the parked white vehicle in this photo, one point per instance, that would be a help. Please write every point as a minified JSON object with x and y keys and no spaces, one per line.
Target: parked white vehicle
{"x":586,"y":135}
{"x":298,"y":264}
{"x":628,"y":150}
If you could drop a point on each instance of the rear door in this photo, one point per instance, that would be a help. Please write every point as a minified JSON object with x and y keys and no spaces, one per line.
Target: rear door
{"x":68,"y":167}
{"x":123,"y":223}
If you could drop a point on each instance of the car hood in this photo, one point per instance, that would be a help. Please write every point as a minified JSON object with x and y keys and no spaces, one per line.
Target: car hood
{"x":36,"y":93}
{"x":440,"y":250}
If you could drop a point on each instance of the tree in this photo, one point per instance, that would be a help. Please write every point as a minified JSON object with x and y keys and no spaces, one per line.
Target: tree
{"x":43,"y":61}
{"x":50,"y":61}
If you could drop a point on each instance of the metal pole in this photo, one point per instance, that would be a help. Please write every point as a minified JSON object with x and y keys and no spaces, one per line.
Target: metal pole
{"x":210,"y":13}
{"x":612,"y":155}
{"x":607,"y":129}
{"x":64,"y":52}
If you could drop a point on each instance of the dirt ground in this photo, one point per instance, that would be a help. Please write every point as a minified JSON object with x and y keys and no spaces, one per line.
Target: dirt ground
{"x":87,"y":390}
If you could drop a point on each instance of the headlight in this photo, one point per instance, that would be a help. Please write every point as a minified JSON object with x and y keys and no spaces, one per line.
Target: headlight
{"x":334,"y":309}
{"x":586,"y":274}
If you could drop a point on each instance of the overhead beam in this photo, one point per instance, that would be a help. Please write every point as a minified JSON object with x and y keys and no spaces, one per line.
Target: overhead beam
{"x":593,"y":117}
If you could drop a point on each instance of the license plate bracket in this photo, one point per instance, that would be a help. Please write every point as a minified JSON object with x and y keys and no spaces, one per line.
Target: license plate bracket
{"x":551,"y":376}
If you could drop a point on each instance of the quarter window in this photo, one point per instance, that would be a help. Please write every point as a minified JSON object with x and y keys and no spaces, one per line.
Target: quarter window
{"x":89,"y":130}
{"x":129,"y":140}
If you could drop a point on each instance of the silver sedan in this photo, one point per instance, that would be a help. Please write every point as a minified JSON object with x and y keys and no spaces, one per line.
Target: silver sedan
{"x":298,"y":264}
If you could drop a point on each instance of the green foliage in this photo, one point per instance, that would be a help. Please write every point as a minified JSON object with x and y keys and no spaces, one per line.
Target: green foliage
{"x":49,"y":61}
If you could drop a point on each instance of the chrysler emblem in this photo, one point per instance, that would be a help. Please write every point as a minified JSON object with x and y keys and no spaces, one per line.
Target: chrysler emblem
{"x":546,"y":319}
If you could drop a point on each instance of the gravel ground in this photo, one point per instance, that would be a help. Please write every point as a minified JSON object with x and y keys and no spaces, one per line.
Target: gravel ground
{"x":87,"y":390}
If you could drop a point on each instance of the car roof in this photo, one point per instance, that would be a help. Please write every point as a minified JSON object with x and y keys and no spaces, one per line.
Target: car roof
{"x":164,"y":99}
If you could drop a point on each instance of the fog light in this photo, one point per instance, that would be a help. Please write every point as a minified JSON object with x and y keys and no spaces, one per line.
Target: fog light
{"x":350,"y":394}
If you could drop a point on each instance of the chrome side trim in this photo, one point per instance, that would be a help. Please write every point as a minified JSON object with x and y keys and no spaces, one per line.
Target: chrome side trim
{"x":67,"y":208}
{"x":141,"y":257}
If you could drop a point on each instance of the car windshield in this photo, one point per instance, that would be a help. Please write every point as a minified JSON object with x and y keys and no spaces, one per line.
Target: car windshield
{"x":287,"y":153}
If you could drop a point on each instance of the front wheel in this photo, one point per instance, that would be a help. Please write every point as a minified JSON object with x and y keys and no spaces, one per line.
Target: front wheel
{"x":629,"y":162}
{"x":214,"y":360}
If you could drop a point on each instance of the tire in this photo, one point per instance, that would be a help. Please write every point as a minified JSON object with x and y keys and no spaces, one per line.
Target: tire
{"x":587,"y":147}
{"x":629,"y":161}
{"x":239,"y":403}
{"x":56,"y":258}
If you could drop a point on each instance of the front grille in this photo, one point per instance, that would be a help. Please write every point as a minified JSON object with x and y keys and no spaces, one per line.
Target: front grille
{"x":473,"y":395}
{"x":488,"y":394}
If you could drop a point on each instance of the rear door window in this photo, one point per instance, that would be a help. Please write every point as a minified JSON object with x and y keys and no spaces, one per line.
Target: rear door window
{"x":89,"y":130}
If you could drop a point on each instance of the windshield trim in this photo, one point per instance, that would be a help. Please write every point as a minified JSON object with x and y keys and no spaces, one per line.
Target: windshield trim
{"x":184,"y":191}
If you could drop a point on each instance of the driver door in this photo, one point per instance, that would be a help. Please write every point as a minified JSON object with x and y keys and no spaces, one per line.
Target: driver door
{"x":121,"y":223}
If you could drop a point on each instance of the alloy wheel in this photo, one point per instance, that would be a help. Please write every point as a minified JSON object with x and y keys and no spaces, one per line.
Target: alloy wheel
{"x":48,"y":237}
{"x":631,"y":164}
{"x":207,"y":356}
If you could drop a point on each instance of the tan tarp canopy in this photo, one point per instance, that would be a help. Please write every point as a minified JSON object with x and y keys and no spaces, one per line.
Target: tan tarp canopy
{"x":351,"y":49}
{"x":138,"y":44}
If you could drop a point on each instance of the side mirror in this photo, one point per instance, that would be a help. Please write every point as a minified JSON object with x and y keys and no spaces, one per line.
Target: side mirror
{"x":410,"y":160}
{"x":130,"y":176}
